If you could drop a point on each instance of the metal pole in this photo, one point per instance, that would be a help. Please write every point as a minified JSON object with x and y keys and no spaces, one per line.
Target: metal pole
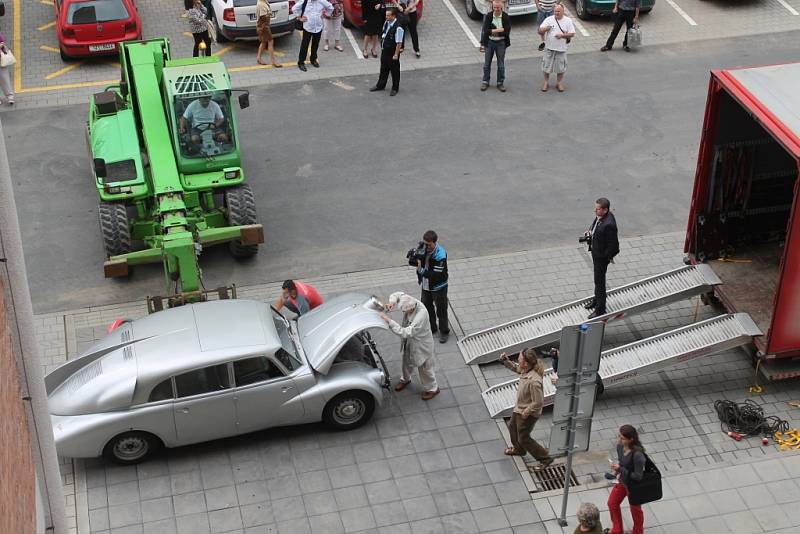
{"x":576,"y":392}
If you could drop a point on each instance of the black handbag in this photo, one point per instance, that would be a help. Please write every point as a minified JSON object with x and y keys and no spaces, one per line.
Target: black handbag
{"x":298,"y":24}
{"x":649,"y":488}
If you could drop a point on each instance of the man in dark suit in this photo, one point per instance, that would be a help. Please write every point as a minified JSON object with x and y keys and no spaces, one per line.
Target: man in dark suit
{"x":392,"y":38}
{"x":604,"y":245}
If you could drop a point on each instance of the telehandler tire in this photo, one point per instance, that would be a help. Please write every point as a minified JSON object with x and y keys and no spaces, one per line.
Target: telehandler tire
{"x":241,"y":205}
{"x":114,"y":228}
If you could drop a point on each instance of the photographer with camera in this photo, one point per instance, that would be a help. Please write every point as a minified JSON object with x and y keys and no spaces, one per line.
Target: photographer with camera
{"x":604,"y":245}
{"x":430,"y":259}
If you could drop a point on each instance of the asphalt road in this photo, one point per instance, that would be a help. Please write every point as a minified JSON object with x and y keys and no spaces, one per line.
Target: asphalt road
{"x":348,"y":180}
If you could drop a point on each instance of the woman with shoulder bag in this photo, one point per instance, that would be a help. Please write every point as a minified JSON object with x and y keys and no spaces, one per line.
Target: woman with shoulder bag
{"x":629,"y":469}
{"x":197,"y":15}
{"x":6,"y":60}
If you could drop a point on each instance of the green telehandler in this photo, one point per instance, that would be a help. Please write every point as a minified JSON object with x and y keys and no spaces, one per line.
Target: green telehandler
{"x":165,"y":155}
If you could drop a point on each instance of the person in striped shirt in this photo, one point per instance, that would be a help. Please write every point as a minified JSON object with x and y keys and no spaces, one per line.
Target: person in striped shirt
{"x":544,"y":9}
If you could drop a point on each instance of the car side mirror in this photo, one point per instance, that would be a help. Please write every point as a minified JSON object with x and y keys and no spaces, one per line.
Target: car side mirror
{"x":244,"y":100}
{"x":100,"y":168}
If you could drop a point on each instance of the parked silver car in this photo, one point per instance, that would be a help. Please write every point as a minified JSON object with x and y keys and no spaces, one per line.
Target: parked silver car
{"x":216,"y":369}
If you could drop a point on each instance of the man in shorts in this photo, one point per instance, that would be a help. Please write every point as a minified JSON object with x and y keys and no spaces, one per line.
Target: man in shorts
{"x":557,"y":30}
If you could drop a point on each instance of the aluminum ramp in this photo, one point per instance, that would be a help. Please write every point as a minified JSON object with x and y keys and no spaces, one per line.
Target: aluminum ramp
{"x":646,"y":356}
{"x":545,"y":327}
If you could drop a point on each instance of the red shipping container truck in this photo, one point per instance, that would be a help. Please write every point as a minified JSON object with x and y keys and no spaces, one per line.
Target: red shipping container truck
{"x":744,"y":218}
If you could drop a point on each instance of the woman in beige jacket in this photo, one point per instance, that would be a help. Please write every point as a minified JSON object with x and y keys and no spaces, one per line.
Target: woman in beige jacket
{"x":530,"y":401}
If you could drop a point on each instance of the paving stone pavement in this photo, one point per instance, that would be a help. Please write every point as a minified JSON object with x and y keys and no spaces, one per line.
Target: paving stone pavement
{"x":45,"y":80}
{"x":438,"y":467}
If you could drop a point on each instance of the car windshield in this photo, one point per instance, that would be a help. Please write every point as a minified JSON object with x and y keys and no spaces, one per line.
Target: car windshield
{"x":95,"y":11}
{"x":287,"y":355}
{"x":204,"y":125}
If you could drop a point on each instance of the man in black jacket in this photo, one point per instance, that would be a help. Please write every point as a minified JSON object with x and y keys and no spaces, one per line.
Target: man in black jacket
{"x":432,"y":276}
{"x":494,"y":41}
{"x":604,"y":245}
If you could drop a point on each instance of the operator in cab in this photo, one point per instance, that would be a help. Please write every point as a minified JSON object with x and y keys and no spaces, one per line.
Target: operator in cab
{"x":299,"y":297}
{"x":201,"y":114}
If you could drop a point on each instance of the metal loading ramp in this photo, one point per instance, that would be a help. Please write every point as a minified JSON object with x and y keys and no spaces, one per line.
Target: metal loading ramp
{"x":641,"y":357}
{"x":545,"y":327}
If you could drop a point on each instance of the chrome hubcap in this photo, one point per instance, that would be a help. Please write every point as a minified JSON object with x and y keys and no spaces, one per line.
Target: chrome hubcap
{"x":131,"y":448}
{"x":349,"y":411}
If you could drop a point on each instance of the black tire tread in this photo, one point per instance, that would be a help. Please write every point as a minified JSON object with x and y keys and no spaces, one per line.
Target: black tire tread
{"x":241,"y":204}
{"x":155,"y":445}
{"x":474,"y":14}
{"x":327,"y":417}
{"x":114,"y":228}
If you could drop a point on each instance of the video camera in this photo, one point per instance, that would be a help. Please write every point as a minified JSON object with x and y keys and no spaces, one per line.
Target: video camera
{"x":586,"y":239}
{"x":416,"y":254}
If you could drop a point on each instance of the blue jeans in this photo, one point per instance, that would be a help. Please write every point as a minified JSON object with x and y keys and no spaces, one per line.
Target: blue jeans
{"x":492,"y":48}
{"x":540,"y":16}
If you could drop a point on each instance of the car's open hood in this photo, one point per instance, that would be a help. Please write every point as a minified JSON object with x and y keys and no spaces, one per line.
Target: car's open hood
{"x":324,"y":330}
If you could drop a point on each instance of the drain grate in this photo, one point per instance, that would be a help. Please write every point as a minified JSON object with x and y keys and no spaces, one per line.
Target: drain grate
{"x":552,"y":478}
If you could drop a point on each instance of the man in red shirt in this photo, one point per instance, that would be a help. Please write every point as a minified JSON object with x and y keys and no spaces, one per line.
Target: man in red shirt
{"x":299,"y":297}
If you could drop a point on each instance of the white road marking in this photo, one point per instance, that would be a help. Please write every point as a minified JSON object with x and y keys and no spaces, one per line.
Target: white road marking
{"x":682,"y":13}
{"x":353,"y":43}
{"x":789,"y":8}
{"x":576,"y":22}
{"x":463,"y":24}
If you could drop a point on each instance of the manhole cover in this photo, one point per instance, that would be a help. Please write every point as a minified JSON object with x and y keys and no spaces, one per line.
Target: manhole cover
{"x":552,"y":478}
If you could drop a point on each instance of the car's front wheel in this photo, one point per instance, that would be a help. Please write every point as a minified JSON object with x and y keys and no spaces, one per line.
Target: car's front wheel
{"x":472,"y":11}
{"x":580,"y":9}
{"x":349,"y":410}
{"x":131,"y":448}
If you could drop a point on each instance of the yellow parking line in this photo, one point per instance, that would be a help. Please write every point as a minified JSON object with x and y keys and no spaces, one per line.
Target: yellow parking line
{"x":224,"y":50}
{"x":65,"y":70}
{"x":49,"y":49}
{"x":258,"y":67}
{"x":44,"y":88}
{"x":45,"y":26}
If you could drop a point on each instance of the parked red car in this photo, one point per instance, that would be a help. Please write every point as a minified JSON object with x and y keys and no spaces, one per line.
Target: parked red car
{"x":87,"y":28}
{"x":352,"y":13}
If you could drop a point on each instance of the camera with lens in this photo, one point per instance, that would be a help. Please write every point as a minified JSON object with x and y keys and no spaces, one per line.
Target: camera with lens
{"x":586,"y":239}
{"x":415,"y":254}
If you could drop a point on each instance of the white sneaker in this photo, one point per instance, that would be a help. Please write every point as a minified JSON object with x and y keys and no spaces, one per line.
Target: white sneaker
{"x":10,"y":101}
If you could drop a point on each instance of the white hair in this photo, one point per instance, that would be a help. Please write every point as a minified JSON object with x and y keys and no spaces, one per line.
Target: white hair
{"x":407,"y":303}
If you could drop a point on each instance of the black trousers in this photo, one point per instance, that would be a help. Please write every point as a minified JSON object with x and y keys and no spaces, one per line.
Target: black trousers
{"x":312,"y":38}
{"x":201,"y":37}
{"x":436,"y":304}
{"x":623,"y":15}
{"x":600,"y":268}
{"x":389,"y":65}
{"x":412,"y":29}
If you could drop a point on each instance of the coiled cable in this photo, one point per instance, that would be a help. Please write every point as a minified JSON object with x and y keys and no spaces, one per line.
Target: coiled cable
{"x":747,"y":418}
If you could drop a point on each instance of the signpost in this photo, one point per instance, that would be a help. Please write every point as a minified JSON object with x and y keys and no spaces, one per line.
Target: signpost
{"x":578,"y":363}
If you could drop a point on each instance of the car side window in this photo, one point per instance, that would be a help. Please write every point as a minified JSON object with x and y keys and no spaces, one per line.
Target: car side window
{"x":286,"y":359}
{"x":206,"y":380}
{"x":163,"y":391}
{"x":252,"y":370}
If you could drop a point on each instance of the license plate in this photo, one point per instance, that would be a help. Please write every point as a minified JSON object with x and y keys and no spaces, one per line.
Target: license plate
{"x":252,"y":16}
{"x":102,"y":47}
{"x":517,"y":2}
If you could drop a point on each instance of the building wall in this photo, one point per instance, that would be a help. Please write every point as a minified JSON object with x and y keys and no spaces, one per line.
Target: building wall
{"x":17,"y":477}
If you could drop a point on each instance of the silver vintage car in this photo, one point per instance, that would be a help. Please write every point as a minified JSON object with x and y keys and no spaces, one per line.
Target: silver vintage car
{"x":216,"y":369}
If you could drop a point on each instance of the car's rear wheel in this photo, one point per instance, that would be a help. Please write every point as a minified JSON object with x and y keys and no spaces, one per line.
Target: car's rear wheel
{"x":349,"y":410}
{"x":64,"y":57}
{"x":472,"y":11}
{"x":131,"y":448}
{"x":220,"y":36}
{"x":115,"y":228}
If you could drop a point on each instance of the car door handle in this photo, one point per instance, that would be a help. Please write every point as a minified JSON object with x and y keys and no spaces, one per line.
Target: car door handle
{"x":184,"y":410}
{"x":284,"y":389}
